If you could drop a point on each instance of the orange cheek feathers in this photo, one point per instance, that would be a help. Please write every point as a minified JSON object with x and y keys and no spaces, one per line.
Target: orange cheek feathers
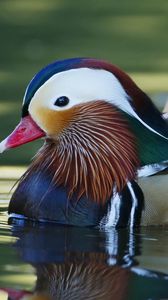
{"x":53,"y":122}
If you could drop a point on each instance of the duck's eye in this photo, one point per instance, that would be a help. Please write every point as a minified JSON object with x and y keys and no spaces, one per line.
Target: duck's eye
{"x":62,"y":101}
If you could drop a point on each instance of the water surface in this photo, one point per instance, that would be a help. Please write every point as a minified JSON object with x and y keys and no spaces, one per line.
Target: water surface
{"x":61,"y":262}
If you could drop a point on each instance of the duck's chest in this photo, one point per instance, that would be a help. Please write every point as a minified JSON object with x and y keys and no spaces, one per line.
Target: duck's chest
{"x":37,"y":198}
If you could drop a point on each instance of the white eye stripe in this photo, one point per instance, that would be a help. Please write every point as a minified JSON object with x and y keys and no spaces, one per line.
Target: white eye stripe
{"x":81,"y":86}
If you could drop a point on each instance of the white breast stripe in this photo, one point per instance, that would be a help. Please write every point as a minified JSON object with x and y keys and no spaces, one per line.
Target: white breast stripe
{"x":134,"y":204}
{"x":113,"y":213}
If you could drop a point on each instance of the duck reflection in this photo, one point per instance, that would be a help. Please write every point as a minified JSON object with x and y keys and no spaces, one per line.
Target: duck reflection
{"x":80,"y":263}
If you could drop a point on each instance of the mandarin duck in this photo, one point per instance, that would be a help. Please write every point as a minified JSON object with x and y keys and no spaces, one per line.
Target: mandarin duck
{"x":100,"y":129}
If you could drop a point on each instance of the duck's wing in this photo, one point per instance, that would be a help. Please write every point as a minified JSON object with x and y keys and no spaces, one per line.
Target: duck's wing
{"x":152,"y":169}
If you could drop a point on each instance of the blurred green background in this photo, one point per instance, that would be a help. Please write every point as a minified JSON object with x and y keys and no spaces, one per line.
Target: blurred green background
{"x":132,"y":34}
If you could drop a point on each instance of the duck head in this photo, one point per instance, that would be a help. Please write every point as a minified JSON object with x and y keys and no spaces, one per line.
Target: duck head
{"x":98,"y":125}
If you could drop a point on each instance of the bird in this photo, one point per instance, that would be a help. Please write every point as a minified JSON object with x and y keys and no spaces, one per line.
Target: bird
{"x":100,"y":130}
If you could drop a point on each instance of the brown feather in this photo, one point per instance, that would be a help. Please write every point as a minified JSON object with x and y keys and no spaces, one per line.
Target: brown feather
{"x":94,"y":154}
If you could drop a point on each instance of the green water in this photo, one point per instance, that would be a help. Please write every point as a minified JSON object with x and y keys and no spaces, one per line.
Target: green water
{"x":80,"y":263}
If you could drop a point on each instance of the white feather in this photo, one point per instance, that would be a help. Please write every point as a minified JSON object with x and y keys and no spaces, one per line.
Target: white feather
{"x":81,"y":86}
